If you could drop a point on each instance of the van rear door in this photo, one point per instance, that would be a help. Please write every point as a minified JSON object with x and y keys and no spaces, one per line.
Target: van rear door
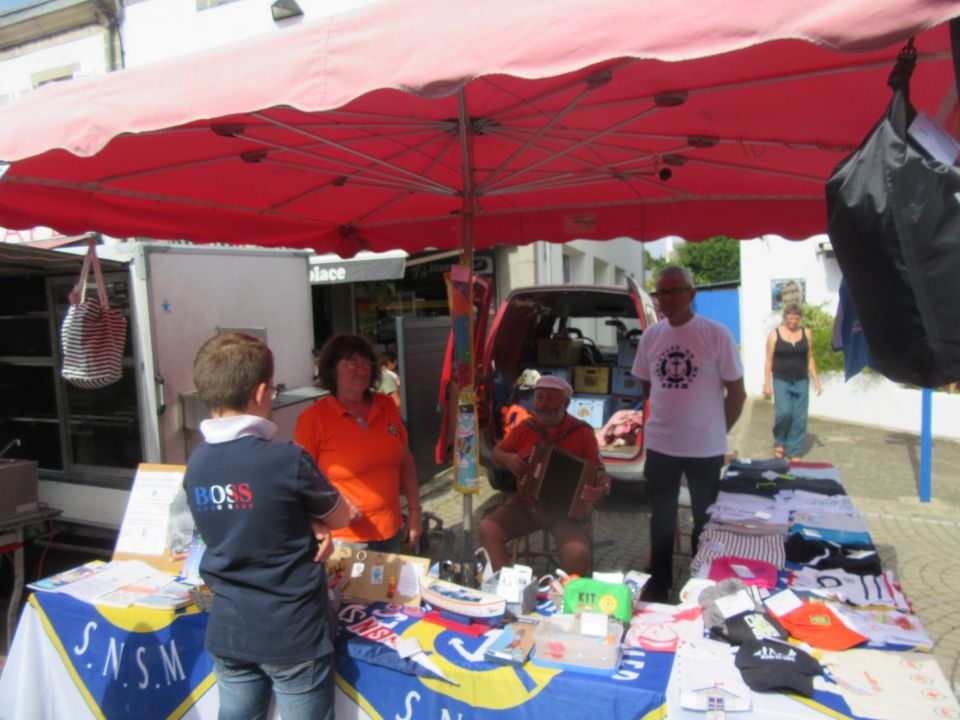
{"x":646,"y":310}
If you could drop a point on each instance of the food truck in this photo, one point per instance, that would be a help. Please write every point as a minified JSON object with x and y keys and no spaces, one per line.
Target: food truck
{"x":87,"y":444}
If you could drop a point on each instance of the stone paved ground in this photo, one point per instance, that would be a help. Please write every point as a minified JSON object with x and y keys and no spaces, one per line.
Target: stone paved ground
{"x":880,"y":469}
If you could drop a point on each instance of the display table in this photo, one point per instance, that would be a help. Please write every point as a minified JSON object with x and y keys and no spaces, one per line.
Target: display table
{"x":70,"y":659}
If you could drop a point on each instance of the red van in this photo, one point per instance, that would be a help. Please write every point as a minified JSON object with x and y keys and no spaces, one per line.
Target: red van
{"x":587,"y":334}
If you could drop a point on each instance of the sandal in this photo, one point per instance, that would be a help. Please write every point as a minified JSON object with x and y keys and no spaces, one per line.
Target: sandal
{"x":778,"y":452}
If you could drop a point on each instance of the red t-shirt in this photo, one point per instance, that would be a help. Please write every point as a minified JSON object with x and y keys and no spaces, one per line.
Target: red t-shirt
{"x":582,"y":442}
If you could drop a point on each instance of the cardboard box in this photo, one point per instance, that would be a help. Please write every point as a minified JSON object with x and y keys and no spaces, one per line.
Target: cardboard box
{"x":591,"y":379}
{"x":627,"y":351}
{"x":18,"y":487}
{"x":625,"y":384}
{"x":594,"y":410}
{"x":558,"y":352}
{"x":368,"y":575}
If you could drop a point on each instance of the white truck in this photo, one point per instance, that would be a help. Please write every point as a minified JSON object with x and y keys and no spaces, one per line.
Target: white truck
{"x":88,"y":443}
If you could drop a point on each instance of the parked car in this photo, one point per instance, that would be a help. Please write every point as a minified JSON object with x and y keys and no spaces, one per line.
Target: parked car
{"x":584,"y":333}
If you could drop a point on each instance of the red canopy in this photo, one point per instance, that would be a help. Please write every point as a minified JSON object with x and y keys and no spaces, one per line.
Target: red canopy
{"x":405,"y":124}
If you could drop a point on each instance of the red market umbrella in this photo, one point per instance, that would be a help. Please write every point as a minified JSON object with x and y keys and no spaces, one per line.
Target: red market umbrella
{"x":425,"y":123}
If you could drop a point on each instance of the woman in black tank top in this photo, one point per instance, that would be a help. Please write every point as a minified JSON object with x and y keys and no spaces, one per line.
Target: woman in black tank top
{"x":787,"y":374}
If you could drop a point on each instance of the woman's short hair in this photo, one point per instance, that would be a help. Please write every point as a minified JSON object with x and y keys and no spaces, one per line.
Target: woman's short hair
{"x":792,"y":309}
{"x":229,"y":367}
{"x":340,"y":347}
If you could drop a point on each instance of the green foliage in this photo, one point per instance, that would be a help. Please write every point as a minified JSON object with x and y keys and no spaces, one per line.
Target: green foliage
{"x":821,"y":323}
{"x":651,"y":266}
{"x":711,"y":261}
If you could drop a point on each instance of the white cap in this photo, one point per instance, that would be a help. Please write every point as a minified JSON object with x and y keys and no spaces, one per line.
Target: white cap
{"x":552,"y":382}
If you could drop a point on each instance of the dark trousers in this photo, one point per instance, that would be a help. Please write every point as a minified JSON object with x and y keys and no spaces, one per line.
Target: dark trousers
{"x":663,"y":473}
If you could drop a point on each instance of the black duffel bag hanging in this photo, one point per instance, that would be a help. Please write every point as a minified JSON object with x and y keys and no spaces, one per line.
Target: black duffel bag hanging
{"x":894,"y":224}
{"x":93,"y":333}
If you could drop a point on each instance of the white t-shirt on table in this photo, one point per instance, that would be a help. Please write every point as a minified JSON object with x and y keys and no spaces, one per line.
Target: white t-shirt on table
{"x":687,"y":367}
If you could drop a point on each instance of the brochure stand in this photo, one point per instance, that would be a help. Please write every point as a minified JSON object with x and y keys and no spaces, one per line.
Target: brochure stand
{"x":157,"y":526}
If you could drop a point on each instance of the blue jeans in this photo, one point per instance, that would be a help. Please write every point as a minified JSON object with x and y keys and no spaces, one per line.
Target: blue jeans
{"x":304,"y":690}
{"x":790,"y":402}
{"x":663,"y":473}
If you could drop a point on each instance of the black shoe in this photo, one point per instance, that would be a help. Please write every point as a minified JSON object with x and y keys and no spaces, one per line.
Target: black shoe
{"x":655,"y":593}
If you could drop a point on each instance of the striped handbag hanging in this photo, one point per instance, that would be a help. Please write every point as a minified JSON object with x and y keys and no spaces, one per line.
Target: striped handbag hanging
{"x":93,"y":333}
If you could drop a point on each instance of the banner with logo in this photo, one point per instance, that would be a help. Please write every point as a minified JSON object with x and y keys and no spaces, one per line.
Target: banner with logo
{"x":471,"y":687}
{"x":129,"y":662}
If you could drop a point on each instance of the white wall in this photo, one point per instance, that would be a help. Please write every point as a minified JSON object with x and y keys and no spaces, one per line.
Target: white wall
{"x":868,"y":399}
{"x":158,"y":29}
{"x":763,"y":261}
{"x":86,"y":53}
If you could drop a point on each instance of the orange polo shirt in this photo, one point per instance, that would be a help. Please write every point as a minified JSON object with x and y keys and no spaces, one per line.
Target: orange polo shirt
{"x":363,"y":463}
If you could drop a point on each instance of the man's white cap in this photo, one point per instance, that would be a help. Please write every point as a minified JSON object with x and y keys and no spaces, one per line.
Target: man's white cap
{"x":552,"y":382}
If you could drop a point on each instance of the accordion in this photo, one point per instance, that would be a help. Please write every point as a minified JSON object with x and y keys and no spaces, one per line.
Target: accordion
{"x":556,"y":479}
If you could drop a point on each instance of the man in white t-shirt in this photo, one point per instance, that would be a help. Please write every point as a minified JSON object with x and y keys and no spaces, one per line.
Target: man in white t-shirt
{"x":691,"y":372}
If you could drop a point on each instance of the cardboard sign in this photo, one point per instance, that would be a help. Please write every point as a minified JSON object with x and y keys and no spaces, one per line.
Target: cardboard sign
{"x":373,"y":576}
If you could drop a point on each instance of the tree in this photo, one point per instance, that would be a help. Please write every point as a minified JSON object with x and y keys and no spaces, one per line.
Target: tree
{"x":711,"y":261}
{"x":651,"y":266}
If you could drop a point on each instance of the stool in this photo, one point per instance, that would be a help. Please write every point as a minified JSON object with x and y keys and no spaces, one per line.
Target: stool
{"x":530,"y":554}
{"x":546,"y":550}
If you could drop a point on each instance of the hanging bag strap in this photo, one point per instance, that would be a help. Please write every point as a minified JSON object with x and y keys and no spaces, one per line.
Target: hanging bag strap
{"x":101,"y":286}
{"x":79,"y":293}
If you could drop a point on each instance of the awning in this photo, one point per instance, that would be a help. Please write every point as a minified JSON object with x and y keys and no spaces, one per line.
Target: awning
{"x":331,"y":269}
{"x":21,"y":259}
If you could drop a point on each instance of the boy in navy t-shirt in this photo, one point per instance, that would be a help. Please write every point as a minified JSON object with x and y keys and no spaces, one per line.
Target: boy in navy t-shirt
{"x":264,"y":510}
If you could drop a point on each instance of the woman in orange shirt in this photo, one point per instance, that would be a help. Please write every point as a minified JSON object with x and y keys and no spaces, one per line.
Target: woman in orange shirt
{"x":358,"y":439}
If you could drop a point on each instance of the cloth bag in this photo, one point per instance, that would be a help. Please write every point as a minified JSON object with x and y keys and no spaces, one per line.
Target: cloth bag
{"x":93,"y":333}
{"x":894,"y":224}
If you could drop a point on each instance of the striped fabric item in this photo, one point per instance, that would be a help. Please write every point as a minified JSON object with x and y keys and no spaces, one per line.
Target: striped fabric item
{"x":92,"y":335}
{"x":721,"y":543}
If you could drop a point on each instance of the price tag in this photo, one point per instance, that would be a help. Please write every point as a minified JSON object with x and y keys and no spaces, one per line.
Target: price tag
{"x":409,"y":583}
{"x":730,"y":605}
{"x":770,"y":475}
{"x":356,"y":570}
{"x":508,"y":586}
{"x":742,"y":571}
{"x":783,"y":602}
{"x":376,"y":575}
{"x":615,"y":578}
{"x":763,"y":514}
{"x":593,"y":624}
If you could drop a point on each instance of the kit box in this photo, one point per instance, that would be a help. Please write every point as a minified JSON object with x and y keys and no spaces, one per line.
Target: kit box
{"x":591,"y":379}
{"x":558,"y":352}
{"x":625,"y":384}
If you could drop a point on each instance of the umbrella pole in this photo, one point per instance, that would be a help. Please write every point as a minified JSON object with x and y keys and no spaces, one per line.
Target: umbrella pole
{"x":468,"y":558}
